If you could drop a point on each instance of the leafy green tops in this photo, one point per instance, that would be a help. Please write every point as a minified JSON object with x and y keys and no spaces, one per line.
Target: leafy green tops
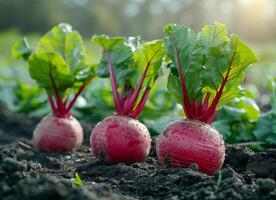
{"x":58,"y":65}
{"x":132,"y":68}
{"x":206,"y":68}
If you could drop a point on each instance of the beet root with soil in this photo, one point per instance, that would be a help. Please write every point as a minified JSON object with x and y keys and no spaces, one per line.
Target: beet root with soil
{"x":186,"y":142}
{"x":26,"y":173}
{"x":67,"y":131}
{"x":120,"y":139}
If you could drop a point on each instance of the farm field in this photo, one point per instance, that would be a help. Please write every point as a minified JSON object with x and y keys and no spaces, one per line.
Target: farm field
{"x":113,"y":99}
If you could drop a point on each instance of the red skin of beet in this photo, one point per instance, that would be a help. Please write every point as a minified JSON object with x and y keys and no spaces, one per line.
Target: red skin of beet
{"x":55,"y":134}
{"x":186,"y":142}
{"x":120,"y":139}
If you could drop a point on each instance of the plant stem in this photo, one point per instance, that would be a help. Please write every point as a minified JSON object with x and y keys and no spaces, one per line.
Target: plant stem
{"x":218,"y":181}
{"x":126,"y":101}
{"x":67,"y":110}
{"x":141,"y":104}
{"x":186,"y":101}
{"x":209,"y":116}
{"x":196,"y":106}
{"x":52,"y":104}
{"x":116,"y":96}
{"x":136,"y":92}
{"x":60,"y":105}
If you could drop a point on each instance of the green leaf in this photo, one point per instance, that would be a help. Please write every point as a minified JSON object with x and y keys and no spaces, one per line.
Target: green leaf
{"x":48,"y":69}
{"x":21,"y":49}
{"x":174,"y":87}
{"x":77,"y":180}
{"x":66,"y":42}
{"x":240,"y":58}
{"x":106,"y":42}
{"x":264,"y":126}
{"x":232,"y":123}
{"x":215,"y":45}
{"x":206,"y":58}
{"x":252,"y":110}
{"x":183,"y":40}
{"x":120,"y":55}
{"x":85,"y":74}
{"x":130,"y":59}
{"x":60,"y":51}
{"x":148,"y":56}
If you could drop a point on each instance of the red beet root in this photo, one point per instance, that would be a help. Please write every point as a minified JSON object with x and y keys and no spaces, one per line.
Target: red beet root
{"x":59,"y":67}
{"x":67,"y":131}
{"x":120,"y":139}
{"x":206,"y":71}
{"x":186,"y":142}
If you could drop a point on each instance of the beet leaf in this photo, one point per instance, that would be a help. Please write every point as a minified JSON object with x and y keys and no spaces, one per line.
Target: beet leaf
{"x":132,"y":68}
{"x":207,"y":68}
{"x":58,"y":65}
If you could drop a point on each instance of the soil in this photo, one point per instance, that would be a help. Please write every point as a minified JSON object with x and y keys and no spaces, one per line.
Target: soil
{"x":28,"y":174}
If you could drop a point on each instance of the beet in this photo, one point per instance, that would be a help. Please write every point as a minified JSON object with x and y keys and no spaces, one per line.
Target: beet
{"x":120,"y":139}
{"x":59,"y":66}
{"x":67,"y":131}
{"x":186,"y":142}
{"x":206,"y":70}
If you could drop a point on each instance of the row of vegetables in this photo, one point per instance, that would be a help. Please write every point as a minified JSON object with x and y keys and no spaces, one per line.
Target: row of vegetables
{"x":205,"y":72}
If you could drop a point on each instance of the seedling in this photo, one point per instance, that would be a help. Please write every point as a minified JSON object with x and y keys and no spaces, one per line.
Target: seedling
{"x":77,"y":180}
{"x":218,"y":184}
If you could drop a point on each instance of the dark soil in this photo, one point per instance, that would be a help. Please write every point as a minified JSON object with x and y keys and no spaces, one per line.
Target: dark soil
{"x":28,"y":174}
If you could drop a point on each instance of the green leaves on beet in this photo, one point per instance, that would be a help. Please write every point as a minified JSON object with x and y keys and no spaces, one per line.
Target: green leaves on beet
{"x":106,"y":42}
{"x":183,"y":41}
{"x":174,"y":86}
{"x":59,"y":65}
{"x":149,"y":55}
{"x":132,"y":67}
{"x":52,"y":72}
{"x":67,"y":43}
{"x":62,"y":48}
{"x":60,"y":56}
{"x":212,"y":64}
{"x":130,"y":60}
{"x":120,"y":56}
{"x":241,"y":56}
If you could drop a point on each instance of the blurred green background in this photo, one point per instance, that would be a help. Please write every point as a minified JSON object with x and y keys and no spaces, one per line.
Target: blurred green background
{"x":252,"y":20}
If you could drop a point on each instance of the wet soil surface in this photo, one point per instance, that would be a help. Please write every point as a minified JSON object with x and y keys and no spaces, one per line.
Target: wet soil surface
{"x":28,"y":174}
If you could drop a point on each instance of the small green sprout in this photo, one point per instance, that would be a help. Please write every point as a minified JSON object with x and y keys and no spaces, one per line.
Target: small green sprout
{"x":77,"y":180}
{"x":218,"y":181}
